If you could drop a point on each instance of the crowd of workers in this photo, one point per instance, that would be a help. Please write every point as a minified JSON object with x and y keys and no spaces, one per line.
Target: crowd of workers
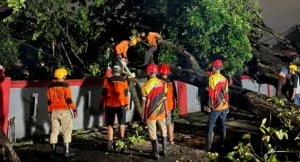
{"x":288,"y":88}
{"x":158,"y":99}
{"x":158,"y":103}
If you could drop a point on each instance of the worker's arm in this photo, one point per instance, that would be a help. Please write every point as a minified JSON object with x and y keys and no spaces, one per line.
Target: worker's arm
{"x":139,"y":39}
{"x":144,"y":99}
{"x":126,"y":94}
{"x":70,"y":101}
{"x":49,"y":102}
{"x":210,"y":93}
{"x":279,"y":87}
{"x":295,"y":85}
{"x":104,"y":92}
{"x":155,"y":35}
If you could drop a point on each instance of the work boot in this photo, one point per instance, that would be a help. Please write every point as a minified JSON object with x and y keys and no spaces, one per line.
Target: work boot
{"x":165,"y":146}
{"x":155,"y":149}
{"x":222,"y":139}
{"x":209,"y":140}
{"x":54,"y":151}
{"x":110,"y":146}
{"x":68,"y":153}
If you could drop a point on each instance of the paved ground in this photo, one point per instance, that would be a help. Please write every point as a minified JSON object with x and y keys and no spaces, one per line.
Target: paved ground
{"x":90,"y":145}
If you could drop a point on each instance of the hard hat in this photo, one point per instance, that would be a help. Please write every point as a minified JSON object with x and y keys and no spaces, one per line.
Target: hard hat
{"x":294,"y":67}
{"x":164,"y":69}
{"x":284,"y":70}
{"x":217,"y":63}
{"x":133,"y":40}
{"x":152,"y":68}
{"x":117,"y":68}
{"x":60,"y":73}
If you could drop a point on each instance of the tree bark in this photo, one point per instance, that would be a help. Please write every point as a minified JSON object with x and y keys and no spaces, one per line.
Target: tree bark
{"x":134,"y":92}
{"x":7,"y":151}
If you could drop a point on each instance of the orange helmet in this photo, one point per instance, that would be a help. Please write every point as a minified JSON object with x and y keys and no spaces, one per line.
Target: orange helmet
{"x":164,"y":69}
{"x":152,"y":68}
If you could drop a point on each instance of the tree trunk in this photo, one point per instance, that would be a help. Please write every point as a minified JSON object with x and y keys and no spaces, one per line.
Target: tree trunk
{"x":135,"y":91}
{"x":7,"y":152}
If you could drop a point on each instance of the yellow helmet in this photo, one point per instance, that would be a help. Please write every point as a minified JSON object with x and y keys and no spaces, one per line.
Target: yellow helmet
{"x":133,"y":40}
{"x":293,"y":67}
{"x":60,"y":73}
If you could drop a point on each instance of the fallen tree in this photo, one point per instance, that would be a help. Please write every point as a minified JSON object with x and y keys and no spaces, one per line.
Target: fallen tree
{"x":7,"y":152}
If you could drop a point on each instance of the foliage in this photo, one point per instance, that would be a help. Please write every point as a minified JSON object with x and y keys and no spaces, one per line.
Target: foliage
{"x":77,"y":33}
{"x":8,"y":48}
{"x":270,"y":140}
{"x":130,"y":142}
{"x":209,"y":29}
{"x":176,"y":112}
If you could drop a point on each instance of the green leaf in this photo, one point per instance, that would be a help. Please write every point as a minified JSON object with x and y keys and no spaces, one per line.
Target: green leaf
{"x":247,"y":136}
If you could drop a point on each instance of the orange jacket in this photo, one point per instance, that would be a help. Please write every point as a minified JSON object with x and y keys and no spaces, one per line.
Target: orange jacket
{"x":122,"y":48}
{"x":171,"y":95}
{"x":115,"y":92}
{"x":151,"y":38}
{"x":60,"y":97}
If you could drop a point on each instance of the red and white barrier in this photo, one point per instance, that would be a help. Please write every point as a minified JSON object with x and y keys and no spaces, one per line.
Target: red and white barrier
{"x":266,"y":89}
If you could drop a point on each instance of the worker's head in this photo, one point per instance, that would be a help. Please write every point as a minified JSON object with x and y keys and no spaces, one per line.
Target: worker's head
{"x":116,"y":70}
{"x":152,"y":70}
{"x":164,"y":71}
{"x":60,"y":74}
{"x":283,"y":72}
{"x":217,"y":66}
{"x":143,"y":34}
{"x":293,"y":69}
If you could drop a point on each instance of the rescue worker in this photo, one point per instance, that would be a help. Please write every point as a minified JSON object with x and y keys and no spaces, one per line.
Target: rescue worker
{"x":294,"y":80}
{"x":61,"y":110}
{"x":121,"y":50}
{"x":218,"y":103}
{"x":115,"y":97}
{"x":154,"y":108}
{"x":282,"y":86}
{"x":151,"y":41}
{"x":164,"y":72}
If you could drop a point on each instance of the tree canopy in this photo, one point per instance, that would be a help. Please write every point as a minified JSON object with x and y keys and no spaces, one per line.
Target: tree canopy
{"x":79,"y":34}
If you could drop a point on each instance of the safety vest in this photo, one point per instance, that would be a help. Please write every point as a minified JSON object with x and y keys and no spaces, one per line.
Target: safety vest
{"x":218,"y":92}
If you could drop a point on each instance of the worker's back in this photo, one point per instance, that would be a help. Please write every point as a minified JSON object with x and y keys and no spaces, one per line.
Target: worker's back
{"x":115,"y":91}
{"x":218,"y":91}
{"x":154,"y":91}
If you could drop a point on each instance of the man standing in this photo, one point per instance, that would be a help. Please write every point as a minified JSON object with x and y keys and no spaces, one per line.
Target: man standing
{"x":151,"y":41}
{"x":115,"y":97}
{"x":154,"y":108}
{"x":61,"y":110}
{"x":295,"y":83}
{"x":282,"y":87}
{"x":164,"y":71}
{"x":218,"y":103}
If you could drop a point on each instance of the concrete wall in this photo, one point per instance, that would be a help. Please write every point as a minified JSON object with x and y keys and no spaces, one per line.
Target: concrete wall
{"x":28,"y":104}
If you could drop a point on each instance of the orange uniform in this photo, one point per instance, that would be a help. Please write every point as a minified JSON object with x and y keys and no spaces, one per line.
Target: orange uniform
{"x":115,"y":91}
{"x":171,"y":95}
{"x":60,"y":97}
{"x":122,"y":48}
{"x":151,"y":38}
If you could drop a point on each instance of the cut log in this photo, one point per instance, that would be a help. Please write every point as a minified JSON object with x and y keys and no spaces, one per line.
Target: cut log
{"x":7,"y":152}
